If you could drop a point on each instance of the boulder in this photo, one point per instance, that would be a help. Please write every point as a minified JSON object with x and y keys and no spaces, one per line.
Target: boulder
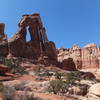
{"x":68,"y":64}
{"x":95,"y":89}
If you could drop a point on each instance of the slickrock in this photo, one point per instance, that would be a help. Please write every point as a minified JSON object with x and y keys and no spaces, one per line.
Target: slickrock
{"x":94,"y":92}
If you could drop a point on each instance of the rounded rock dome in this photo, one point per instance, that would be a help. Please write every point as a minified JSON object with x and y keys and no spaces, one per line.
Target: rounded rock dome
{"x":90,"y":45}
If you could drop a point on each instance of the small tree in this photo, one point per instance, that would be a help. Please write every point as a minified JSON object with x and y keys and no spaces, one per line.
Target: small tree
{"x":55,"y":86}
{"x":58,"y":75}
{"x":73,"y":76}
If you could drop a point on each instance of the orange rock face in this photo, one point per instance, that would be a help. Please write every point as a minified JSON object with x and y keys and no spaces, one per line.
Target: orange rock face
{"x":91,"y":57}
{"x":87,"y":57}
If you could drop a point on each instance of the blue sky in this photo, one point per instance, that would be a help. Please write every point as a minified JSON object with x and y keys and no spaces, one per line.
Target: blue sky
{"x":67,"y":22}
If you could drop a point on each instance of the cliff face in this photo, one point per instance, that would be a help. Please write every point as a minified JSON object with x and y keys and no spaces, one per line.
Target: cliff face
{"x":84,"y":58}
{"x":38,"y":48}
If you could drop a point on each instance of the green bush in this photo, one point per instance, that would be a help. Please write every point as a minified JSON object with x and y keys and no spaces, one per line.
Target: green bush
{"x":61,"y":85}
{"x":55,"y":86}
{"x":58,"y":75}
{"x":73,"y":76}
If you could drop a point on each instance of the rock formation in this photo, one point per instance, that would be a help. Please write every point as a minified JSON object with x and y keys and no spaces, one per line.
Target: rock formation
{"x":84,"y":58}
{"x":38,"y":48}
{"x":3,"y":41}
{"x":3,"y":38}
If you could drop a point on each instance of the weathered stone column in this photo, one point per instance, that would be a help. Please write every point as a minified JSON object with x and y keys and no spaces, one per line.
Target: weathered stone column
{"x":2,"y":27}
{"x":2,"y":35}
{"x":3,"y":41}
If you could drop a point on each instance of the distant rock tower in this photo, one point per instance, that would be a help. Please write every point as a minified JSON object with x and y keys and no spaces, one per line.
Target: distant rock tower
{"x":3,"y":38}
{"x":3,"y":41}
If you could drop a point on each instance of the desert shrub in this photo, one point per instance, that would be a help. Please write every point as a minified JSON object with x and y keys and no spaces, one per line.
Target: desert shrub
{"x":61,"y":85}
{"x":19,"y":70}
{"x":8,"y":93}
{"x":25,"y":96}
{"x":1,"y":86}
{"x":14,"y":66}
{"x":58,"y":75}
{"x":73,"y":76}
{"x":57,"y":86}
{"x":20,"y":86}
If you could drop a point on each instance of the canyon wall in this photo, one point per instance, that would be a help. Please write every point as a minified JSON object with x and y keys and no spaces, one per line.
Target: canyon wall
{"x":87,"y":57}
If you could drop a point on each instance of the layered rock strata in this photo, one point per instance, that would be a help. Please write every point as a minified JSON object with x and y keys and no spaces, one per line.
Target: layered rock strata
{"x":87,"y":57}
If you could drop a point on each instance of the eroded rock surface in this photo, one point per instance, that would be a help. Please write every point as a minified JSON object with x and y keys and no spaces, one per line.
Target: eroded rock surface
{"x":94,"y":92}
{"x":38,"y":48}
{"x":87,"y":57}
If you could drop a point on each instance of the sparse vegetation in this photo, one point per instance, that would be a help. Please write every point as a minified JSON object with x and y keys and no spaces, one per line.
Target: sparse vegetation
{"x":1,"y":87}
{"x":58,"y":75}
{"x":61,"y":85}
{"x":20,"y":86}
{"x":73,"y":76}
{"x":55,"y":86}
{"x":10,"y":93}
{"x":14,"y":66}
{"x":25,"y":96}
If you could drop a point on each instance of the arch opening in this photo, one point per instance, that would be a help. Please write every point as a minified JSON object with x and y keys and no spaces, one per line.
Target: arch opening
{"x":28,"y":36}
